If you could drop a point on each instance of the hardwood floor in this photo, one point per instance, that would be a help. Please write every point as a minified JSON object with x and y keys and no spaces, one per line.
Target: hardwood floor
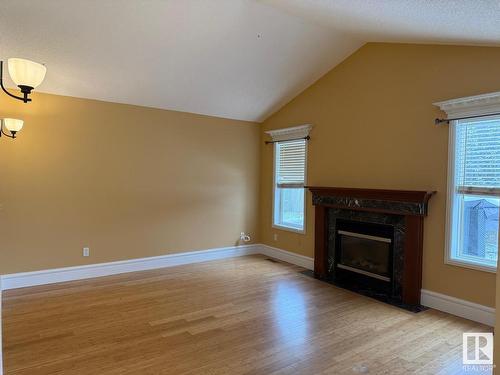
{"x":244,"y":315}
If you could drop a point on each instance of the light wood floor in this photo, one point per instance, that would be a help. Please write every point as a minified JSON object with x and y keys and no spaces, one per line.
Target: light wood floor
{"x":244,"y":315}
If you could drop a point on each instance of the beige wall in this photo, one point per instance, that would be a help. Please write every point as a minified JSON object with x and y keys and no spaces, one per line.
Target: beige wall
{"x":133,"y":182}
{"x":126,"y":181}
{"x":374,"y":128}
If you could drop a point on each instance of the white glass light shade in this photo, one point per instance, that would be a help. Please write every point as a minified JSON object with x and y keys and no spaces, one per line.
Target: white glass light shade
{"x":13,"y":124}
{"x":25,"y":72}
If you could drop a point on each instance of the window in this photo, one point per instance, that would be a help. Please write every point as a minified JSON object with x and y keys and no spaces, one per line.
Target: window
{"x":474,"y":189}
{"x":289,"y":180}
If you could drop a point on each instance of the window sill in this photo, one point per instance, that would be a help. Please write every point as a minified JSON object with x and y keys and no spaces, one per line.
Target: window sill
{"x":289,"y":229}
{"x":471,"y":265}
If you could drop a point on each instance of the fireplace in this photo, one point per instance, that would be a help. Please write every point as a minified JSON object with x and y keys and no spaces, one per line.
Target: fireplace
{"x":370,"y":241}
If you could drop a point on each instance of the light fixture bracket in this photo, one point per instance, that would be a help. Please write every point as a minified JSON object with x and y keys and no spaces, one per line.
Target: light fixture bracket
{"x":2,"y":132}
{"x":26,"y":90}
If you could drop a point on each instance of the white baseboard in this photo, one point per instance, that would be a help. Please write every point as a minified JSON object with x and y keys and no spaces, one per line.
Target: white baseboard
{"x":458,"y":307}
{"x":58,"y":275}
{"x":287,"y":256}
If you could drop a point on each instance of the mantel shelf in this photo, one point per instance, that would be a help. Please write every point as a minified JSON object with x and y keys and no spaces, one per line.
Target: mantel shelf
{"x":413,"y":196}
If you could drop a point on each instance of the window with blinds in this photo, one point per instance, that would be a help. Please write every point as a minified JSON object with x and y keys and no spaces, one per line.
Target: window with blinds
{"x":475,"y":195}
{"x":290,"y":165}
{"x":289,"y":181}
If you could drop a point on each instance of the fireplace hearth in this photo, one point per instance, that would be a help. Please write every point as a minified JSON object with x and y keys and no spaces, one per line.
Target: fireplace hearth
{"x":371,"y":241}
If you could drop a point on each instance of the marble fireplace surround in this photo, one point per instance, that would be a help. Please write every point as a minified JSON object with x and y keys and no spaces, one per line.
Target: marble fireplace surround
{"x":404,"y":210}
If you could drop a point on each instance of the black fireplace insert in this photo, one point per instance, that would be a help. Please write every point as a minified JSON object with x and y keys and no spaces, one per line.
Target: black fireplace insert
{"x":364,"y":255}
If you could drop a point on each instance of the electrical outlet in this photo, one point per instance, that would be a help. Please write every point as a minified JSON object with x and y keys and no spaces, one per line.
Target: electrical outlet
{"x":86,"y":252}
{"x":275,"y":236}
{"x":244,"y":237}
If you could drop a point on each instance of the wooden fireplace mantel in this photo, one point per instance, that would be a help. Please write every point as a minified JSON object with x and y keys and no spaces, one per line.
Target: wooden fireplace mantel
{"x":410,"y":205}
{"x":414,"y":196}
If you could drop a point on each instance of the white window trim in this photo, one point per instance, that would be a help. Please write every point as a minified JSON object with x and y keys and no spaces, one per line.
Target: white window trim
{"x":485,"y":104}
{"x":285,"y":134}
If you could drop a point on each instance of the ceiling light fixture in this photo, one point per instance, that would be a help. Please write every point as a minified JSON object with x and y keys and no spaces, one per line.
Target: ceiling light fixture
{"x":26,"y":75}
{"x":13,"y":125}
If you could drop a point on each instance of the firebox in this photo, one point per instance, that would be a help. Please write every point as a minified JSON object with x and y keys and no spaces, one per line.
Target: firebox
{"x":364,"y":254}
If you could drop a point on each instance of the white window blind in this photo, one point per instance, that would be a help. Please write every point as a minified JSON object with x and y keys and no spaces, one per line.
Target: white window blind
{"x":290,"y":164}
{"x":477,"y":166}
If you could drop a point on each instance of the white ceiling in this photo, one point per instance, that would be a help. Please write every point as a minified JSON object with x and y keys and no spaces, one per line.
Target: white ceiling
{"x":417,"y":21}
{"x":240,"y":59}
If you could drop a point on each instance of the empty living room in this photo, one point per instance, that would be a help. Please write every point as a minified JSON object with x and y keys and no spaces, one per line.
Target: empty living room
{"x":261,"y":187}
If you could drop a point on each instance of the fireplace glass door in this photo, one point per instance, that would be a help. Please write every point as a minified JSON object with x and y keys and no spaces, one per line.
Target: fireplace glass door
{"x":365,"y":254}
{"x":365,"y":249}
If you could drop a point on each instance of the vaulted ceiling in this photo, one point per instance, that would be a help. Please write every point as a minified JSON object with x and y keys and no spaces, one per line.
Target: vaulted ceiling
{"x":240,"y":59}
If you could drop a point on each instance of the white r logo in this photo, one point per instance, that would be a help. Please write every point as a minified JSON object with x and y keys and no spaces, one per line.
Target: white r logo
{"x":477,"y":348}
